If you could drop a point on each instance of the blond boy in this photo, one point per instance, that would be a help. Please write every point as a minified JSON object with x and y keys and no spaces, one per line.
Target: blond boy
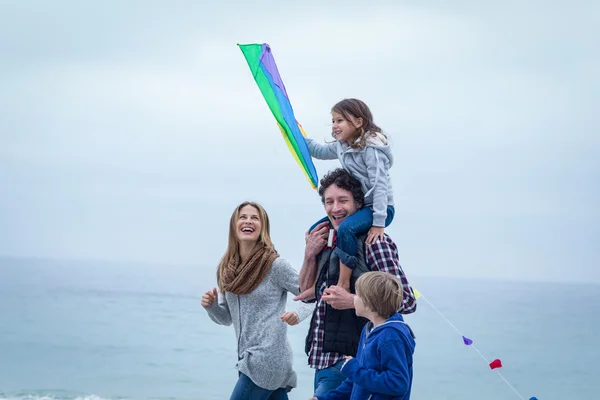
{"x":382,"y":368}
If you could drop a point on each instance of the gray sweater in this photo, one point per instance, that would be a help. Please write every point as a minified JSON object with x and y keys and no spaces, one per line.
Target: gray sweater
{"x":264,"y":353}
{"x":369,"y":165}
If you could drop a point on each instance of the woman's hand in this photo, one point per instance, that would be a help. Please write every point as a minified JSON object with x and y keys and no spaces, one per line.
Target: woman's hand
{"x":209,"y":297}
{"x":290,"y":318}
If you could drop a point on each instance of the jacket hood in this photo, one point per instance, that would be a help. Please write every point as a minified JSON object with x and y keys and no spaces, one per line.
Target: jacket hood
{"x":381,"y":142}
{"x":396,"y":322}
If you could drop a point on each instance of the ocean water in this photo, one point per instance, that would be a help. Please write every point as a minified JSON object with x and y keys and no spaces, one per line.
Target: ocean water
{"x":94,"y":330}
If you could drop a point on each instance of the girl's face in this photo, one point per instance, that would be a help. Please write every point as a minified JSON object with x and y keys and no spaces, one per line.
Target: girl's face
{"x":343,"y":129}
{"x":248,"y":224}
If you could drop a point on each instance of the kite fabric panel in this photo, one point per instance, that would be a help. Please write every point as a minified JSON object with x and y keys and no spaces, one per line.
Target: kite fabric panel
{"x":264,"y":70}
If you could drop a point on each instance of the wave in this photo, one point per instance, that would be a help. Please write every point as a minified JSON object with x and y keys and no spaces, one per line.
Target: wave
{"x":57,"y":394}
{"x":53,"y":395}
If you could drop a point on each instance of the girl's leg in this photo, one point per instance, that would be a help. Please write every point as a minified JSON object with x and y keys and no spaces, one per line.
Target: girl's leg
{"x":245,"y":389}
{"x":390,"y":215}
{"x":325,"y":218}
{"x":347,"y":237}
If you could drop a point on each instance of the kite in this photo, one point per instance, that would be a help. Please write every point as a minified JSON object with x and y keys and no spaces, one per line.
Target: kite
{"x":467,"y":341}
{"x":265,"y":73}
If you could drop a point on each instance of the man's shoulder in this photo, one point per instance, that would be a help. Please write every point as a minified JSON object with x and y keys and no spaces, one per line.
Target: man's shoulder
{"x":381,"y":252}
{"x":386,"y":243}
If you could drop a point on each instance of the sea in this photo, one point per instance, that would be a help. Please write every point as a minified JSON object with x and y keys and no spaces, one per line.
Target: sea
{"x":98,"y":330}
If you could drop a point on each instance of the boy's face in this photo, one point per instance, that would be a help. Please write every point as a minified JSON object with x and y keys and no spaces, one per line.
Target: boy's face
{"x":359,"y":307}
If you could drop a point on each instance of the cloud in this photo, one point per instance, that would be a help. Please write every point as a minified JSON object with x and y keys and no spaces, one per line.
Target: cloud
{"x":131,"y":130}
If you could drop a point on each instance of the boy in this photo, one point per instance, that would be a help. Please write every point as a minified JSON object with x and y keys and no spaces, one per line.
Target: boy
{"x":382,"y":368}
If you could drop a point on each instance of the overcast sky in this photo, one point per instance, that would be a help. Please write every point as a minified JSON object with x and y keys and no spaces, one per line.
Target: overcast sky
{"x":131,"y":130}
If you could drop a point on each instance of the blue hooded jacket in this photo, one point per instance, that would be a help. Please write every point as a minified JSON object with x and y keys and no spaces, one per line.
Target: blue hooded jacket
{"x":383,"y":367}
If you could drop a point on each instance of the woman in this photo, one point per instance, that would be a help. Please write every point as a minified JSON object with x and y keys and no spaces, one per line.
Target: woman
{"x":254,"y":281}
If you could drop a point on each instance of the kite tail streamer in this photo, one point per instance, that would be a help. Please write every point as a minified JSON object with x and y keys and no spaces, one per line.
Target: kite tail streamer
{"x":493,"y":364}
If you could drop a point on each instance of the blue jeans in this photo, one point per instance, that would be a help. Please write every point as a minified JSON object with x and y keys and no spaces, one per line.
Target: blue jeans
{"x":347,"y":234}
{"x":328,"y":379}
{"x":245,"y":389}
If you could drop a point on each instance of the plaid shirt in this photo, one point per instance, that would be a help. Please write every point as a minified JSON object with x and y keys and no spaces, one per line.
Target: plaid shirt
{"x":381,"y":256}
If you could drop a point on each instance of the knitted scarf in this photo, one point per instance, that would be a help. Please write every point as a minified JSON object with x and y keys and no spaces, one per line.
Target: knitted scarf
{"x":243,"y":278}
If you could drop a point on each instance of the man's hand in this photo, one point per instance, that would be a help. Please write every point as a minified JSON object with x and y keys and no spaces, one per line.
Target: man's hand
{"x":338,"y":298}
{"x":316,"y":240}
{"x":290,"y":317}
{"x":374,"y":233}
{"x":347,"y":358}
{"x":308,"y":294}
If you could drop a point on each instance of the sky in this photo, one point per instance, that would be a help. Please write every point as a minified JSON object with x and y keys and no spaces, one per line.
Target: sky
{"x":129,"y":131}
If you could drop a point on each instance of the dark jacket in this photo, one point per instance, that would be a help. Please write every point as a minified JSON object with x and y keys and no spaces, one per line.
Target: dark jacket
{"x":342,"y":328}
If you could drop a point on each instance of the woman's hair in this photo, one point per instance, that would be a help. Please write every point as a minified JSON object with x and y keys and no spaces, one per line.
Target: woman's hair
{"x":354,"y":108}
{"x":380,"y":291}
{"x":232,"y":254}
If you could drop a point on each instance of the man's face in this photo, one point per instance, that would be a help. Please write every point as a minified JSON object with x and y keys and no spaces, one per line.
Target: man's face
{"x":339,"y":204}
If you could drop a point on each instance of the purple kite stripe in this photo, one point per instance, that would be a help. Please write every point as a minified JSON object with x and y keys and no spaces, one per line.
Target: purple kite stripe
{"x":266,"y":58}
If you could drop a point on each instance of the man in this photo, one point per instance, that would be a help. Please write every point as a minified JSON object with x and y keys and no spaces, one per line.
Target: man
{"x":334,"y":328}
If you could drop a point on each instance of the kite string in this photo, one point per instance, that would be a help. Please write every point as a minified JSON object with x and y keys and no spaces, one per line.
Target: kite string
{"x":471,"y":345}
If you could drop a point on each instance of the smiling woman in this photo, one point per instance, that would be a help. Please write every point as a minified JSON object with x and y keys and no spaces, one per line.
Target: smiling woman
{"x":254,"y":281}
{"x":249,"y":223}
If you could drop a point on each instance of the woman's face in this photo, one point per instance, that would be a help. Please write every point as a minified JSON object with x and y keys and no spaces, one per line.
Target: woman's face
{"x":248,"y":224}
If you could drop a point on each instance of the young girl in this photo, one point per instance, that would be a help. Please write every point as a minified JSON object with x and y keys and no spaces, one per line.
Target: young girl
{"x":363,"y":150}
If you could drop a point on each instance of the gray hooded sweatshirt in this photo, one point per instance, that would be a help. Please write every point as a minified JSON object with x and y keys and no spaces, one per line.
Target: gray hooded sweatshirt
{"x":369,"y":165}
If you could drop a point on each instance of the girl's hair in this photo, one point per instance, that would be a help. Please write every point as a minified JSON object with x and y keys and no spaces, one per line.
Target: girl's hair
{"x":354,"y":108}
{"x":232,"y":254}
{"x":380,"y":291}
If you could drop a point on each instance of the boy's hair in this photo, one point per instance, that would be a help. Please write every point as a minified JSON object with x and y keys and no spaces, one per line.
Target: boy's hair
{"x":343,"y":179}
{"x":356,"y":108}
{"x":381,"y":292}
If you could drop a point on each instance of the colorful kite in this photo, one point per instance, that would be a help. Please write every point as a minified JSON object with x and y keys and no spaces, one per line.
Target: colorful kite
{"x":265,"y":73}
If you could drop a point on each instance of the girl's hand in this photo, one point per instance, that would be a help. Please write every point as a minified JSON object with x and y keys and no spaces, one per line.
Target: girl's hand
{"x":209,"y":297}
{"x":290,"y":317}
{"x":374,"y":233}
